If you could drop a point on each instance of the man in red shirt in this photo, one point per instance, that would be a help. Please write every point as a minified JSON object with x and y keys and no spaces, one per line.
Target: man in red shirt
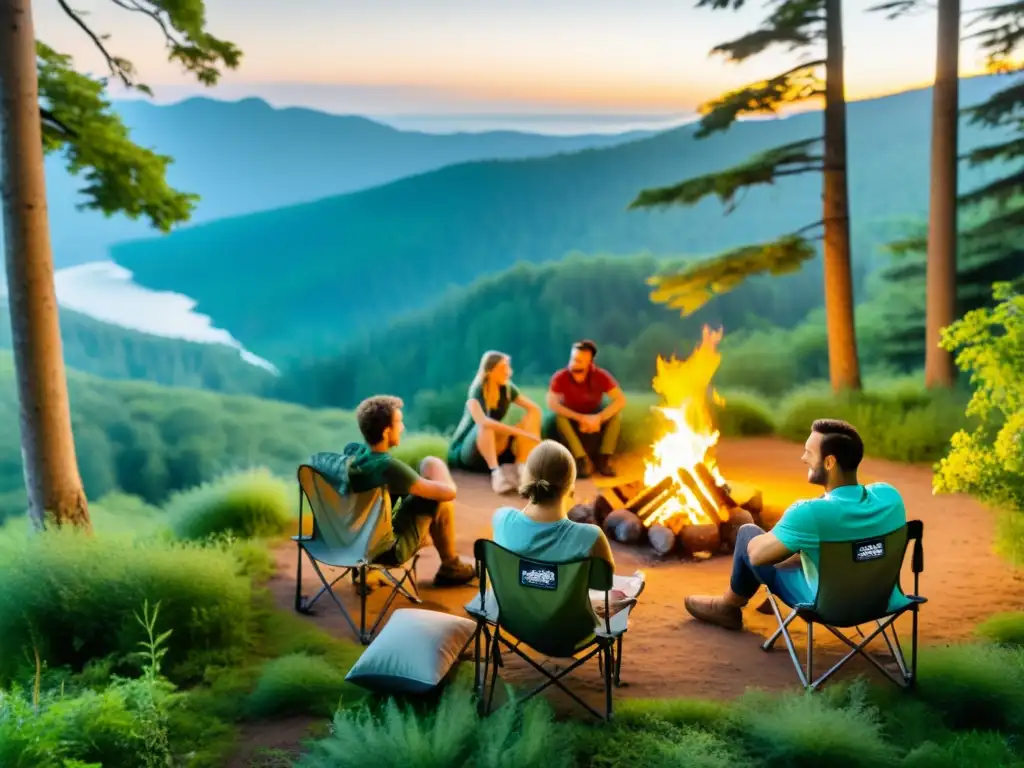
{"x":580,"y":418}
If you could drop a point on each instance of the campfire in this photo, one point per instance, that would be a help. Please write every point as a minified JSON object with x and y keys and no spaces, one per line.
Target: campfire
{"x":680,"y":501}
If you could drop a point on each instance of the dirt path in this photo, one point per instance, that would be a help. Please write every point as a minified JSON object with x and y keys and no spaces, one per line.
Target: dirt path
{"x":669,"y":655}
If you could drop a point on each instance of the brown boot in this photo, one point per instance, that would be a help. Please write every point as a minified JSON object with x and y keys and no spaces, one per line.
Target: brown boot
{"x":714,"y":610}
{"x":454,"y":574}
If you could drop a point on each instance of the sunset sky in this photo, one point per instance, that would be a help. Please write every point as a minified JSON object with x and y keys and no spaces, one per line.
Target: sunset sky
{"x":491,"y":56}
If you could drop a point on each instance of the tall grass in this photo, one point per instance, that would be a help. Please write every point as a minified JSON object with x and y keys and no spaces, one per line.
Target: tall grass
{"x":252,"y":504}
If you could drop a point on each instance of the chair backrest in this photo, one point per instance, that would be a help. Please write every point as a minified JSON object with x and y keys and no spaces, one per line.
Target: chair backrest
{"x":543,"y":604}
{"x":856,"y":578}
{"x":360,"y":522}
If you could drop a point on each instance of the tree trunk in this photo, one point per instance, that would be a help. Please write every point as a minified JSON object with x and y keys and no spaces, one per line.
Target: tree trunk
{"x":939,"y":370}
{"x":844,"y":368}
{"x":47,"y":447}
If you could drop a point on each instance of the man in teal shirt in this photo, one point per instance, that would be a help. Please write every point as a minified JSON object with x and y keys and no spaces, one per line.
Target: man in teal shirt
{"x":786,"y":559}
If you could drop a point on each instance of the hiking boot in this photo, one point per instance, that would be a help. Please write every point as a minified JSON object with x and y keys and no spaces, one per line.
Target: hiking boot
{"x":714,"y":610}
{"x":603,"y":464}
{"x":582,"y":468}
{"x":500,"y":482}
{"x":454,"y":574}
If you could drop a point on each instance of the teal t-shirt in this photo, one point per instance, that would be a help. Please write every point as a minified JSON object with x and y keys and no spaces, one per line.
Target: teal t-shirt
{"x":551,"y":542}
{"x":848,"y":513}
{"x":507,"y":395}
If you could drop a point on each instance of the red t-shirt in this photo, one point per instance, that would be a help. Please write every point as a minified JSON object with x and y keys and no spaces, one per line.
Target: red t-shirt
{"x":584,"y":396}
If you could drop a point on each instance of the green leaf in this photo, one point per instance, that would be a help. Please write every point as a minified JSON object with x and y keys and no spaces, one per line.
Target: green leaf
{"x":120,"y":176}
{"x":698,"y":283}
{"x":794,"y":86}
{"x":761,"y":169}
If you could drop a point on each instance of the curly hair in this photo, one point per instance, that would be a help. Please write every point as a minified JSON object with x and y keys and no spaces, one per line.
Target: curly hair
{"x":375,"y":414}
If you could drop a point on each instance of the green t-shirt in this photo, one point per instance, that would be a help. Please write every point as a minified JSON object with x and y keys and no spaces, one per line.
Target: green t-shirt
{"x":846,"y":514}
{"x":384,"y":470}
{"x":507,"y":395}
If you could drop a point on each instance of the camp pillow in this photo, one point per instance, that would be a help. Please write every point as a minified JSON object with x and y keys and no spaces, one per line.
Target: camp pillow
{"x":413,"y":653}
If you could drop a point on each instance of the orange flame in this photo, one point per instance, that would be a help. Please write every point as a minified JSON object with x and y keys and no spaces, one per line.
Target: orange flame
{"x":685,"y":387}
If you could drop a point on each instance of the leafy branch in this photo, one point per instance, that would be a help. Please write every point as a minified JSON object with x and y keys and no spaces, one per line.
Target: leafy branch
{"x":1002,"y":35}
{"x":182,"y":24}
{"x":799,"y":84}
{"x":793,"y":24}
{"x":698,"y":283}
{"x":764,"y":168}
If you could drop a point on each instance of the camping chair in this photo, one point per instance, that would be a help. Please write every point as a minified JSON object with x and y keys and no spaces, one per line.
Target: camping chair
{"x":547,"y":607}
{"x":855,"y":582}
{"x":349,"y":532}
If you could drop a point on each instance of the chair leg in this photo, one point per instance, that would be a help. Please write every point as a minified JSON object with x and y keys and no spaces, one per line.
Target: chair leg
{"x":609,"y":675}
{"x":912,"y":683}
{"x":298,"y":576}
{"x":618,"y":662}
{"x":362,"y":606}
{"x":784,"y":631}
{"x":810,"y":650}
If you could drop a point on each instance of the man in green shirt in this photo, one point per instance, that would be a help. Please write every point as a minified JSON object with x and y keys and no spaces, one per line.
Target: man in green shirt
{"x":422,"y":503}
{"x":786,"y":558}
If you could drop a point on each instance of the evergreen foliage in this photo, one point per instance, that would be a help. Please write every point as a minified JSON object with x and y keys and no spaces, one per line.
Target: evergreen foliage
{"x":792,"y":24}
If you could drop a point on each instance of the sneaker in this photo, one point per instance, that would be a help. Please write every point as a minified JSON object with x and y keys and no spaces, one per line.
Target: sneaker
{"x":603,"y":465}
{"x":454,"y":574}
{"x":582,"y":468}
{"x":714,"y":610}
{"x":500,"y":482}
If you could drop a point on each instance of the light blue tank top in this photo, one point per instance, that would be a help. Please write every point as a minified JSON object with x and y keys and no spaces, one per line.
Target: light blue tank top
{"x":551,"y":542}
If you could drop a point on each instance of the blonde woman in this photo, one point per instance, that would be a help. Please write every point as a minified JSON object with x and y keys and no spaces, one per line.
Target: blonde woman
{"x":482,"y":441}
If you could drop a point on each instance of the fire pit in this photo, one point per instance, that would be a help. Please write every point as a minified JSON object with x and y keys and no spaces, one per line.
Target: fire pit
{"x":679,"y":502}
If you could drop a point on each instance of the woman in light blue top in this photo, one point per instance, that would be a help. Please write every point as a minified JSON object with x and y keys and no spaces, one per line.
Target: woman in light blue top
{"x":541,"y":530}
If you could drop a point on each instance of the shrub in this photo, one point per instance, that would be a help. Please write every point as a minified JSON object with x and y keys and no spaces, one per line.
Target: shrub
{"x":974,"y":686}
{"x":415,"y":448}
{"x":678,"y":712}
{"x":1005,"y":628}
{"x":745,"y":415}
{"x":297,"y":684}
{"x":964,"y":750}
{"x":72,"y":597}
{"x":451,"y":736}
{"x":897,"y":422}
{"x":656,"y":745}
{"x":252,"y":504}
{"x":988,"y":461}
{"x":835,"y":727}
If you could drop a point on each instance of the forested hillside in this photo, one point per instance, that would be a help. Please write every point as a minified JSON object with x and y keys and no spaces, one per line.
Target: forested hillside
{"x":149,"y":440}
{"x":774,"y":336}
{"x":312,"y":276}
{"x":251,"y":156}
{"x":114,"y":352}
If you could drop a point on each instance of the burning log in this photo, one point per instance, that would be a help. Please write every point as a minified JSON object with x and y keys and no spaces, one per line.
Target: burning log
{"x":648,"y":495}
{"x":718,"y":493}
{"x":709,"y":509}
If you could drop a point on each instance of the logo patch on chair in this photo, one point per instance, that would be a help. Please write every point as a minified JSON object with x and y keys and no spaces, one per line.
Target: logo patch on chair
{"x":872,"y":549}
{"x":537,"y":575}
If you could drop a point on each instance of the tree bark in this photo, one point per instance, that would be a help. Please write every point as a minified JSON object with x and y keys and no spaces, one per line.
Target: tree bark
{"x":844,"y":367}
{"x":54,"y":485}
{"x":939,"y":368}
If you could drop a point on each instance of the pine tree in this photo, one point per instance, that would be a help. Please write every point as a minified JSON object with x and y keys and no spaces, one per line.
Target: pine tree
{"x":991,"y":217}
{"x":797,"y":25}
{"x":45,"y":106}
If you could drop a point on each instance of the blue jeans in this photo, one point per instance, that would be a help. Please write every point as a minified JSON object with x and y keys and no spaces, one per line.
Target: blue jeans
{"x":787,"y":584}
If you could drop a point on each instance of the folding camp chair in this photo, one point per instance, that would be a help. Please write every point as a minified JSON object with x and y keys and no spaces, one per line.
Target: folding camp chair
{"x":349,"y":532}
{"x":546,"y":607}
{"x":856,"y":580}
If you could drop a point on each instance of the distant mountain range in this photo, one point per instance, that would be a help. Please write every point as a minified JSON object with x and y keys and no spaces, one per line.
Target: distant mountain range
{"x":302,"y":280}
{"x":247,"y":156}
